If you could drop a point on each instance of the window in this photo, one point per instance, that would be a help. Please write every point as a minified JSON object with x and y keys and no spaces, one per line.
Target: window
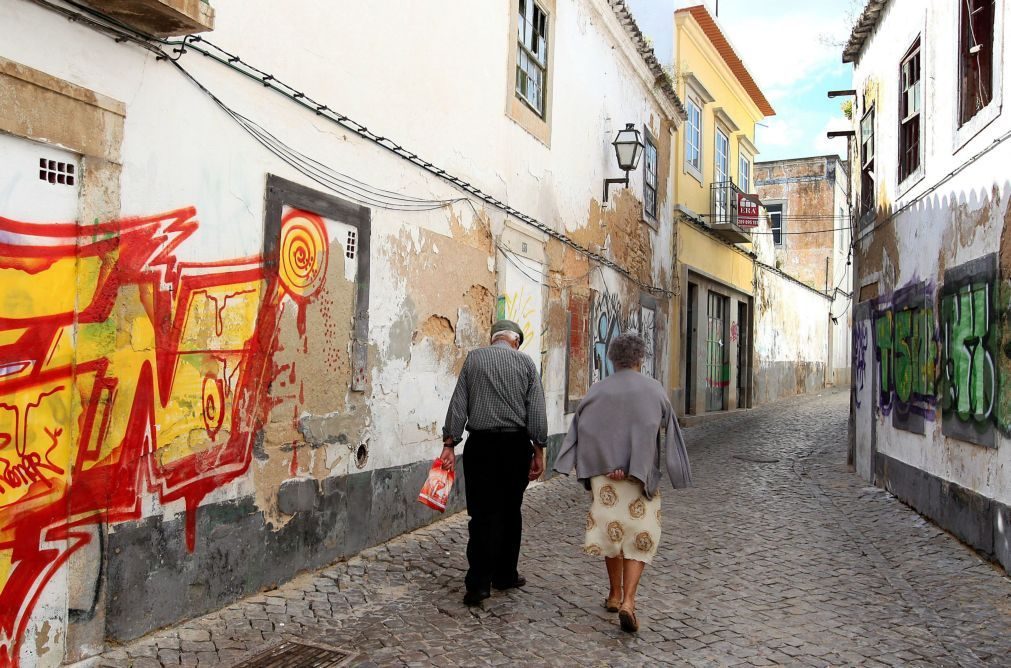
{"x":909,"y":112}
{"x":975,"y":57}
{"x":693,"y":136}
{"x":867,"y":194}
{"x":532,"y":55}
{"x":776,"y":222}
{"x":744,"y":173}
{"x":722,"y":174}
{"x":649,"y":177}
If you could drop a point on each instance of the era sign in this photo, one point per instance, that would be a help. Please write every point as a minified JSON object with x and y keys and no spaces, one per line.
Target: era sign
{"x":747,"y":210}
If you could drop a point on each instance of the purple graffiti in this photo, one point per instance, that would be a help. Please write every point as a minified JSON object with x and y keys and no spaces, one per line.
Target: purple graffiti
{"x":861,"y":335}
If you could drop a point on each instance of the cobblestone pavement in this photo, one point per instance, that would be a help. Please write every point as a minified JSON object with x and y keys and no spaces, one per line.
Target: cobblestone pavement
{"x":778,"y":555}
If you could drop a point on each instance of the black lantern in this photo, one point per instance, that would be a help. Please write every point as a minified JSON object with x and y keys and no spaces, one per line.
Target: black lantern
{"x":627,"y":149}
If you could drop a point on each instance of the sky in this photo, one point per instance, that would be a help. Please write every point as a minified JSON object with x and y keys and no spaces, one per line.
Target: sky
{"x":792,"y":48}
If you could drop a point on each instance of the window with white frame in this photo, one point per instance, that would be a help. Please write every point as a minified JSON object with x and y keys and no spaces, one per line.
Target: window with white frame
{"x":722,"y":175}
{"x":776,"y":222}
{"x":975,"y":57}
{"x":693,"y":135}
{"x":867,"y":192}
{"x":909,"y":112}
{"x":649,"y":177}
{"x":532,"y":55}
{"x":744,"y":173}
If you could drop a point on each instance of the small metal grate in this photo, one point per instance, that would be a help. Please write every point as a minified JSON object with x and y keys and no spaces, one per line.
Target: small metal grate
{"x":56,"y":172}
{"x":290,"y":654}
{"x":352,"y":245}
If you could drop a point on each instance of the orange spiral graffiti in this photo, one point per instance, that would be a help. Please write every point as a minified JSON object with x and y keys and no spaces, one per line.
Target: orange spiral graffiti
{"x":303,"y":256}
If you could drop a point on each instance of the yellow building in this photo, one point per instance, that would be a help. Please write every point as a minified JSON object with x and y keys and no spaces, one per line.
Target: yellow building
{"x":713,"y":165}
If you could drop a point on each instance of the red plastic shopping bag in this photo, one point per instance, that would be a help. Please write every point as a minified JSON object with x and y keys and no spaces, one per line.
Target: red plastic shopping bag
{"x":435,"y":491}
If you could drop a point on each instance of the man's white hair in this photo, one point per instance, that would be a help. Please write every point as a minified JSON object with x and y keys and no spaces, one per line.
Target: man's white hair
{"x":510,"y":336}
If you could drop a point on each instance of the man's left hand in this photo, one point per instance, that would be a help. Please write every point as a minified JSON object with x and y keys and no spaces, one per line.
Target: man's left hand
{"x":536,"y":464}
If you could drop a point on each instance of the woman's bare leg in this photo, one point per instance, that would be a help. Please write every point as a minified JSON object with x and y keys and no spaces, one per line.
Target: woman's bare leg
{"x":615,"y":573}
{"x":632,"y":571}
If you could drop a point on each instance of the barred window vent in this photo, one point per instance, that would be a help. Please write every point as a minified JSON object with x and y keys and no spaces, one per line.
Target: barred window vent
{"x":352,"y":245}
{"x":57,"y":173}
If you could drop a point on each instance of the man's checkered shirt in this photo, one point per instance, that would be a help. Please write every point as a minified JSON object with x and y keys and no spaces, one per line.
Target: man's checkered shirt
{"x":498,"y":388}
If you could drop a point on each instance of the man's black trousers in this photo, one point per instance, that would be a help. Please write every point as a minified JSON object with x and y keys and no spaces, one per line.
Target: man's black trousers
{"x":495,"y":467}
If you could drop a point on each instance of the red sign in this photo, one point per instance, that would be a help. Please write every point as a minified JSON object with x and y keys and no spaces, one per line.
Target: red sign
{"x":747,"y":210}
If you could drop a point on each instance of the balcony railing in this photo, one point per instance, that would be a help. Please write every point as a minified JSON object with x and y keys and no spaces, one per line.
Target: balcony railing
{"x":724,"y":213}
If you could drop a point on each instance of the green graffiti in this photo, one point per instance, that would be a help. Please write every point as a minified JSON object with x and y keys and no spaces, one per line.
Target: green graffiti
{"x":969,"y":378}
{"x":925,"y":353}
{"x":885,"y":344}
{"x":915,"y":355}
{"x":902,"y":355}
{"x":907,"y":355}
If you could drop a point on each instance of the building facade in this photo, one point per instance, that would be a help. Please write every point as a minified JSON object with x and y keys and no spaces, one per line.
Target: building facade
{"x":714,"y":157}
{"x":932,"y":364}
{"x":237,"y":278}
{"x":803,"y":339}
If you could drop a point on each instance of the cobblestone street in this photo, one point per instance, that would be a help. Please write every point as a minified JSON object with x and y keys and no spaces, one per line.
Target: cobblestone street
{"x":778,"y":555}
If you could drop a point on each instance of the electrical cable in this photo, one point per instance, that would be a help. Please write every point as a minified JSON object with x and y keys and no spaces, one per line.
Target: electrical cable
{"x":125,"y":33}
{"x":947,"y":177}
{"x":237,"y":64}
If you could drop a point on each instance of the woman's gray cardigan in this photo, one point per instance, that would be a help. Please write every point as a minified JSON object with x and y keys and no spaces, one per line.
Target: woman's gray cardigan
{"x":621,"y":423}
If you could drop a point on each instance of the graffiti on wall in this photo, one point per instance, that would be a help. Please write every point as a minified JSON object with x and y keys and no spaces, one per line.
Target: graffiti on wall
{"x":942,"y":352}
{"x":905,"y":345}
{"x":969,"y":383}
{"x":610,"y":317}
{"x":125,"y":371}
{"x":521,"y":299}
{"x":524,"y":309}
{"x":860,"y":340}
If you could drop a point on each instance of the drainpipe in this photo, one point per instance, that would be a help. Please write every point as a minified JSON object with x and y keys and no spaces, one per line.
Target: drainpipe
{"x":828,"y":362}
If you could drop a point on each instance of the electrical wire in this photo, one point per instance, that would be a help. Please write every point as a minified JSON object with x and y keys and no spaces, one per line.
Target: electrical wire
{"x":947,"y":177}
{"x":235,"y":63}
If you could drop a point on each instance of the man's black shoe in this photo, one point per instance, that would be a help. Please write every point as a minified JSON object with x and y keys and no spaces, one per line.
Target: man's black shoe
{"x":475,"y":596}
{"x":518,"y":582}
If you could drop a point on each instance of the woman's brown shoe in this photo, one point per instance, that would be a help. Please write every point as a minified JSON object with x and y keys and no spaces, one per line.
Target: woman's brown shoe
{"x":612,"y":605}
{"x":628,"y":621}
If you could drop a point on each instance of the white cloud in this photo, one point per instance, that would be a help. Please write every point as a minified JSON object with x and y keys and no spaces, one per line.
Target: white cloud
{"x":823,"y":145}
{"x":778,"y":133}
{"x":786,"y":45}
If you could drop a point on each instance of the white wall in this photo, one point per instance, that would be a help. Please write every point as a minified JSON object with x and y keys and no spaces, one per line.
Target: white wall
{"x":435,"y":85}
{"x":953,"y":219}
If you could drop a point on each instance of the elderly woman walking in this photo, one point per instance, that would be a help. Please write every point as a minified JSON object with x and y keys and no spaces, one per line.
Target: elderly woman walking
{"x":614,"y":444}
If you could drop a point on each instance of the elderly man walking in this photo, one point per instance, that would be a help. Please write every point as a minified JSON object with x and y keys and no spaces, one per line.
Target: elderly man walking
{"x":500,"y":402}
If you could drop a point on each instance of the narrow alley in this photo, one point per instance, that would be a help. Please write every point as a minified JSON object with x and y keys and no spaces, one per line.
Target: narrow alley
{"x":778,"y":555}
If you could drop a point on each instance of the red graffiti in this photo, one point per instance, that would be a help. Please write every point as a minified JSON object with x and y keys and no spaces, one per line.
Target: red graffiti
{"x":111,"y":352}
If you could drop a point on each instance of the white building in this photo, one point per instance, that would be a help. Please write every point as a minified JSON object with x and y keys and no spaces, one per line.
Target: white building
{"x":238,"y":276}
{"x":804,"y":277}
{"x":932,"y":394}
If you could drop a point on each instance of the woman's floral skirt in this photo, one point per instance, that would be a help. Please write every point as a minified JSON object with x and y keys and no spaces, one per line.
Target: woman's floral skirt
{"x":622,"y":522}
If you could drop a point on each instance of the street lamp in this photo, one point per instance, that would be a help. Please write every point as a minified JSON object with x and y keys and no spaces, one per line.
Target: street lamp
{"x":627,"y":149}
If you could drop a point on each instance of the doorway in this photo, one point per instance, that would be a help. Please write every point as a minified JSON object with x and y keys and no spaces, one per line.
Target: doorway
{"x":743,"y":366}
{"x":690,"y":336}
{"x":717,"y":367}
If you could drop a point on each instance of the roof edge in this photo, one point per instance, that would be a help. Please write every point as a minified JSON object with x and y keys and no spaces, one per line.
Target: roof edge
{"x":862,"y":29}
{"x":726,"y":50}
{"x":646,"y":52}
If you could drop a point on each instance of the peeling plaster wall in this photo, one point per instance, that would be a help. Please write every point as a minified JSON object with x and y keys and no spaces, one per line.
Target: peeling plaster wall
{"x":815,"y":249}
{"x":791,"y":338}
{"x":931,"y":424}
{"x":290,"y":424}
